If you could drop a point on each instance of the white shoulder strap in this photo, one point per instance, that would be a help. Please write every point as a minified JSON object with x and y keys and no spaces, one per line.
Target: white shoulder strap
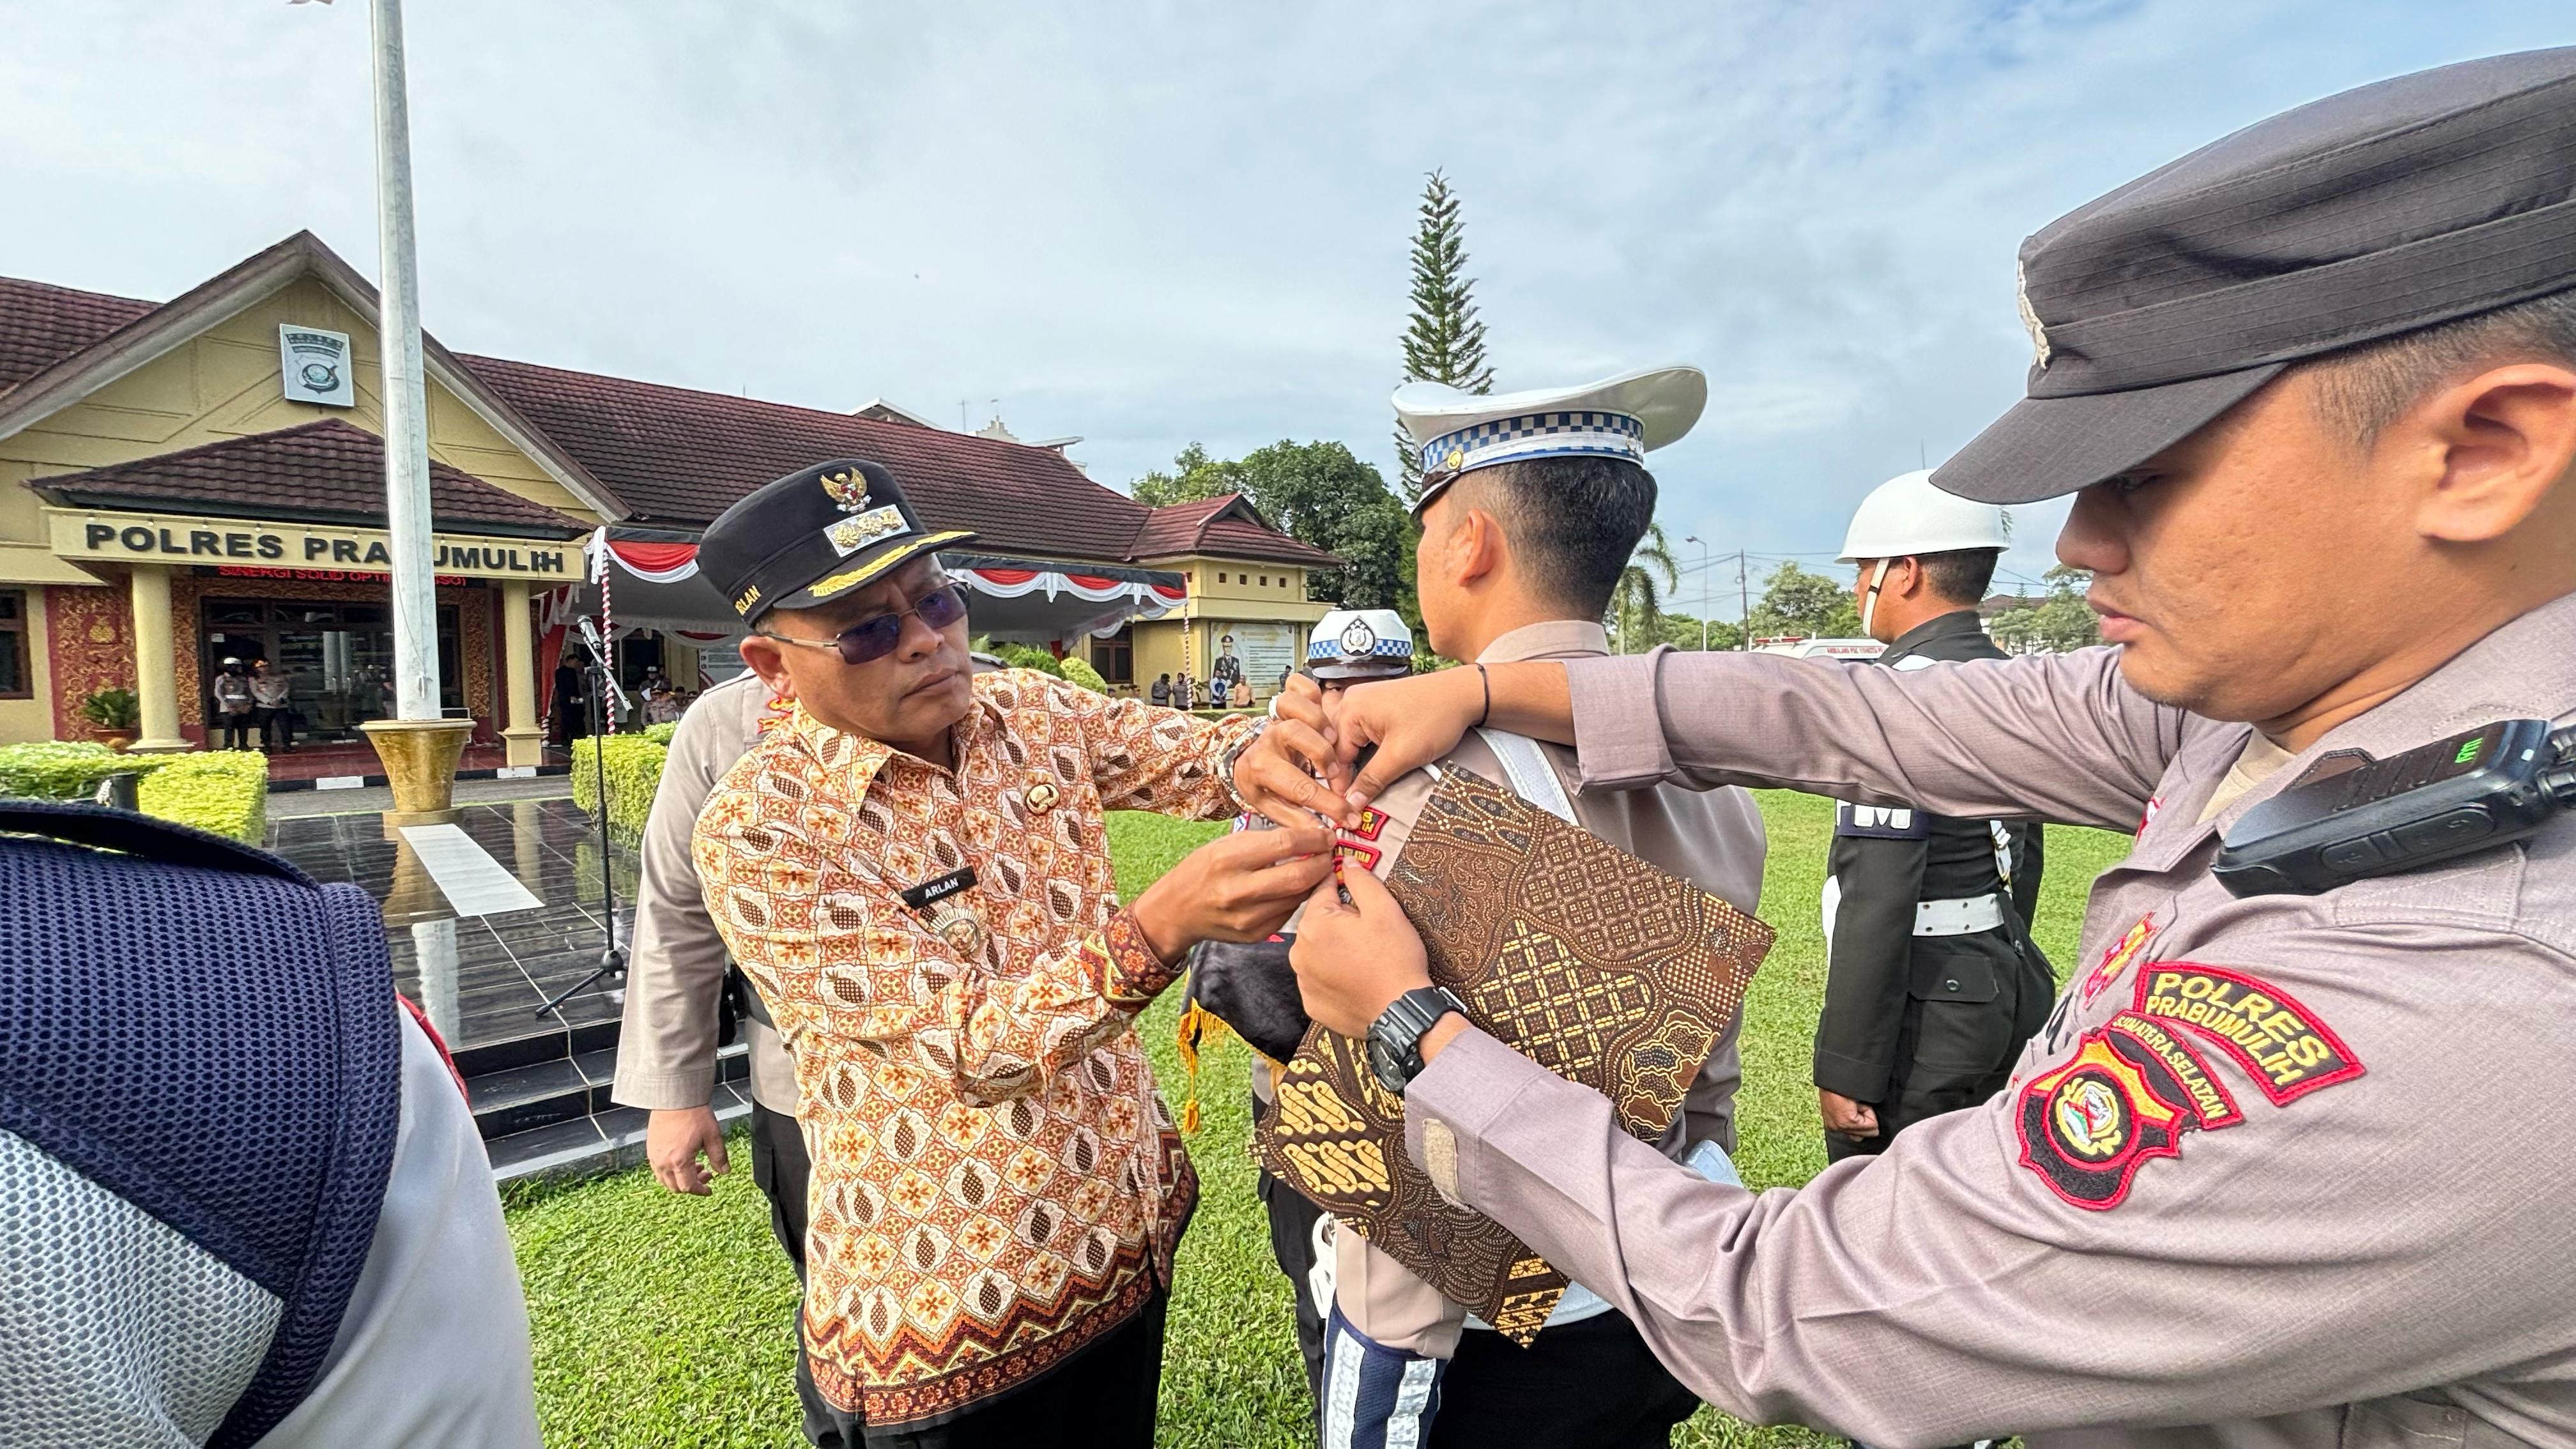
{"x":1533,"y":778}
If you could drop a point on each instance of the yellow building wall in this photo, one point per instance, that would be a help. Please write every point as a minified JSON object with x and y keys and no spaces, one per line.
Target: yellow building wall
{"x":225,"y":383}
{"x":1222,"y":593}
{"x":1158,"y":651}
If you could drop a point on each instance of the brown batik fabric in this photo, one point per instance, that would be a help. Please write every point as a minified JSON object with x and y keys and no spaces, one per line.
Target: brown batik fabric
{"x":996,"y":1182}
{"x":1585,"y":959}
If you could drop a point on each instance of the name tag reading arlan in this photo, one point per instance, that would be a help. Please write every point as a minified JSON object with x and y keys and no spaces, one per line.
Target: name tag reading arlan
{"x":939,"y":888}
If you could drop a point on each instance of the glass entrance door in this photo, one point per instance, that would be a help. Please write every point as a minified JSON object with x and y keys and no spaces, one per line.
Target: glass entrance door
{"x":339,"y":658}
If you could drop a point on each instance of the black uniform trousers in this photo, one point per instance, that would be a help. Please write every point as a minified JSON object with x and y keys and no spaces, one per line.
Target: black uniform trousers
{"x":1918,"y":1025}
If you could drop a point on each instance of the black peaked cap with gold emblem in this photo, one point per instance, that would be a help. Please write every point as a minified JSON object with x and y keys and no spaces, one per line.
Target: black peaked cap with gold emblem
{"x":2400,"y":205}
{"x":815,"y":535}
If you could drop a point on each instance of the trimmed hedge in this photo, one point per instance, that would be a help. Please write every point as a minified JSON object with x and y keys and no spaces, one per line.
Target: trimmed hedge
{"x":660,"y":734}
{"x":223,"y":791}
{"x":1079,"y":671}
{"x":66,"y":769}
{"x":1029,"y":656}
{"x":634,"y":772}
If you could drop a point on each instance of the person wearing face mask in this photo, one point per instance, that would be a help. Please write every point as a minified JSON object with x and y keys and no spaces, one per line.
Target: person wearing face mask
{"x":912,"y":869}
{"x":1932,"y":983}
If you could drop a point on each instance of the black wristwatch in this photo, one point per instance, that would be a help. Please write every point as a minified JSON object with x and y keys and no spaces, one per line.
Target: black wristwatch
{"x":1395,"y":1038}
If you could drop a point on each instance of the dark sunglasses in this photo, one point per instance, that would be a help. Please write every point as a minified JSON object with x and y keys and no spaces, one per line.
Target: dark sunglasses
{"x":875,"y":638}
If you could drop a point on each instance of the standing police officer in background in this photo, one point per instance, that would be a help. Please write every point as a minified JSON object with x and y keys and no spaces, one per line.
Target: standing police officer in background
{"x":1932,"y":984}
{"x":2285,"y":1170}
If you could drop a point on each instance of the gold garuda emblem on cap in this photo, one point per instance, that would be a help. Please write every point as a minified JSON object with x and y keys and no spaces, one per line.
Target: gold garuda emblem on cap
{"x":849,"y":488}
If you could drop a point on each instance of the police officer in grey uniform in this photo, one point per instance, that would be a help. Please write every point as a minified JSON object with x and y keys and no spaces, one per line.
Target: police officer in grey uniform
{"x":2282,"y":1170}
{"x":1932,"y":983}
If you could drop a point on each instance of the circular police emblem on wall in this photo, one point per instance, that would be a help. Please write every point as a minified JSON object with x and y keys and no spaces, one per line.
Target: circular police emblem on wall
{"x":321,"y":376}
{"x":1358,"y":637}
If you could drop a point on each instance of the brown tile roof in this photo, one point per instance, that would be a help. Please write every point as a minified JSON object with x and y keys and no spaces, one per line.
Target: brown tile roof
{"x":1227,"y":526}
{"x":678,"y":457}
{"x":319,"y":472}
{"x":1174,"y":528}
{"x":41,"y":325}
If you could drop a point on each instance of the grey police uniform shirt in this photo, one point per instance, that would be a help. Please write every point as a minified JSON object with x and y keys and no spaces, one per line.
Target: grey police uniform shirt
{"x":2287,"y":1171}
{"x":1924,"y":1016}
{"x":666,"y":1049}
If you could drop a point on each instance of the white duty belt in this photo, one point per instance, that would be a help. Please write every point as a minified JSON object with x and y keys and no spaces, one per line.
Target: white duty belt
{"x":1961,"y":917}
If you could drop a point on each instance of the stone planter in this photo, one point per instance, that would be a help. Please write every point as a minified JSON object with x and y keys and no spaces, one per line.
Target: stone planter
{"x":420,"y":764}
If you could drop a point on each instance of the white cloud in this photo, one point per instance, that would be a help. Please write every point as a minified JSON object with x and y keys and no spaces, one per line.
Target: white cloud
{"x":1152,"y":224}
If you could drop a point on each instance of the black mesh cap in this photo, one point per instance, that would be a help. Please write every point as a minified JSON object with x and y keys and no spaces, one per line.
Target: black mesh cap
{"x":2376,"y":212}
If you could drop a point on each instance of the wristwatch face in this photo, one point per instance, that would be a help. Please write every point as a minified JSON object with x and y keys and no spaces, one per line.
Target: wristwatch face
{"x":1388,"y":1066}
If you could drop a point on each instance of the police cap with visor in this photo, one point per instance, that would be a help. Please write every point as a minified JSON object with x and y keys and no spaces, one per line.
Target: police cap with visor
{"x":2398,"y":206}
{"x":1352,"y":644}
{"x":814,"y":536}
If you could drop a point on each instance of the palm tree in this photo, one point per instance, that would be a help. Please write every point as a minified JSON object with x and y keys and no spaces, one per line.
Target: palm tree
{"x":1636,"y":603}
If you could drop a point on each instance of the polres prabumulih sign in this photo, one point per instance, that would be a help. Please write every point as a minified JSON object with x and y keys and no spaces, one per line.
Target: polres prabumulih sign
{"x":100,"y":536}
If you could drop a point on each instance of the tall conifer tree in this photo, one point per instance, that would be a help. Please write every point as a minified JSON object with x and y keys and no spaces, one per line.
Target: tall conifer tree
{"x":1444,"y":342}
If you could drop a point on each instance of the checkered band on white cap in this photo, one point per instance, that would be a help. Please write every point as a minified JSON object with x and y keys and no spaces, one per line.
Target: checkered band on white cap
{"x":1535,"y":435}
{"x":1378,"y":649}
{"x":1350,"y":635}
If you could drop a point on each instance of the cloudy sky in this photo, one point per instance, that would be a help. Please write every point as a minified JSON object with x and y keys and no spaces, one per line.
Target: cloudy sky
{"x":1148,"y":223}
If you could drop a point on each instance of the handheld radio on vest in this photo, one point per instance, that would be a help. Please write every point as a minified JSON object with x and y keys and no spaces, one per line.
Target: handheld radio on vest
{"x":2484,"y":788}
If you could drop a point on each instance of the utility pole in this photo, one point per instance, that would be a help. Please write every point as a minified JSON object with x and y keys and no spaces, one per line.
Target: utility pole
{"x":1703,"y":589}
{"x":1743,"y":601}
{"x":407,"y":521}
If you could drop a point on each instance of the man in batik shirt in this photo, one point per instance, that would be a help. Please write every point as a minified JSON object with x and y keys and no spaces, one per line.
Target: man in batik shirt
{"x":914,"y":872}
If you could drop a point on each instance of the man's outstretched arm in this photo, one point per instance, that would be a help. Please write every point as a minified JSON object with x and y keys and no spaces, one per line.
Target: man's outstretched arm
{"x":2056,"y":737}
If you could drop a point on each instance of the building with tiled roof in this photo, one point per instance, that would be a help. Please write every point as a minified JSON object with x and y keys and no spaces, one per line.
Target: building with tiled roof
{"x":172,"y":493}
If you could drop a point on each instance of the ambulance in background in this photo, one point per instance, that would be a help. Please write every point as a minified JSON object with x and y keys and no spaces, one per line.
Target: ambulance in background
{"x":1798,"y":648}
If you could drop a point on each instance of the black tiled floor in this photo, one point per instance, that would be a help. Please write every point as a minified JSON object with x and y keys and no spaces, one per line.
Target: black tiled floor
{"x":481,"y":979}
{"x":556,"y":1078}
{"x":619,"y":1120}
{"x":540,"y":1083}
{"x":519,"y":1147}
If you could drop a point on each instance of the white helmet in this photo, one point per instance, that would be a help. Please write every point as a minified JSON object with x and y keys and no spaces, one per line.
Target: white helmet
{"x":1906,"y":515}
{"x":1360,"y":644}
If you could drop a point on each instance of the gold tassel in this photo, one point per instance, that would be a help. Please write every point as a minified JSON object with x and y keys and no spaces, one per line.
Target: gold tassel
{"x":1199,"y":1029}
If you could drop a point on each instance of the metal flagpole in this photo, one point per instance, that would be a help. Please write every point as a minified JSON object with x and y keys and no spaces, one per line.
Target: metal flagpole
{"x":406,"y":406}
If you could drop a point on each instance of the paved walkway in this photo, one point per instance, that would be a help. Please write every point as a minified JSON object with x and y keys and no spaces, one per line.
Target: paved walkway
{"x":295,"y":804}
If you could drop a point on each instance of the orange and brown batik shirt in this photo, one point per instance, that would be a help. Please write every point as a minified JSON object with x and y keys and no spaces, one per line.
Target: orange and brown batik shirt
{"x":996,"y":1182}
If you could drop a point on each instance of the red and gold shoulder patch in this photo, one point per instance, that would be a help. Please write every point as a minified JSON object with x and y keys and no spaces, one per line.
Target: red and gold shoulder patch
{"x":2282,"y":1045}
{"x":2128,"y":1094}
{"x":1351,"y":847}
{"x":2209,"y":1103}
{"x":2117,"y":956}
{"x":2088,"y":1126}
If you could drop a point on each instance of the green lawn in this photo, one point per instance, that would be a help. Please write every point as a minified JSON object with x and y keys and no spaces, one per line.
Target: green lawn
{"x":664,"y":1321}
